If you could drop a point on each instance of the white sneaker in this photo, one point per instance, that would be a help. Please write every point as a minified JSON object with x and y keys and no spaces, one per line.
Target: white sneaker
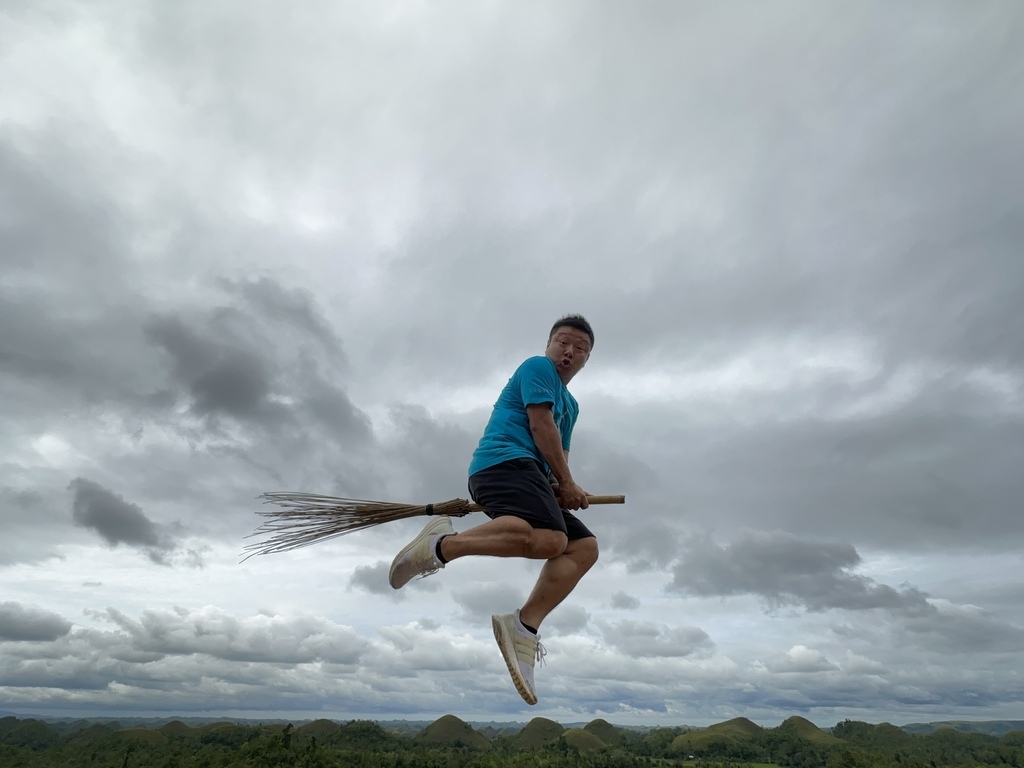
{"x":521,"y":649}
{"x":418,"y":559}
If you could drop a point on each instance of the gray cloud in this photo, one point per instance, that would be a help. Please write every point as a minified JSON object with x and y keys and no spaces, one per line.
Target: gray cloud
{"x":566,"y":619}
{"x":646,"y":639}
{"x":782,"y":568}
{"x":480,"y":601}
{"x":222,"y":636}
{"x":959,"y":629}
{"x":30,"y":623}
{"x":116,"y":520}
{"x":374,"y":579}
{"x":624,"y":602}
{"x":800,"y":660}
{"x":219,"y":377}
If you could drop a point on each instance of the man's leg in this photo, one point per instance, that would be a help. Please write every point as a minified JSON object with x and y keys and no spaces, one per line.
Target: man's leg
{"x":557,"y":579}
{"x":516,"y":632}
{"x":506,"y":536}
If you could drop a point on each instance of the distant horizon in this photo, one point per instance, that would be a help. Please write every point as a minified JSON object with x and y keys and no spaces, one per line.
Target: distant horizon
{"x":471,"y":719}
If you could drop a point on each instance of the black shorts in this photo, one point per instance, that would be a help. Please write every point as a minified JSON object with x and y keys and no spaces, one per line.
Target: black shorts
{"x":520,"y":488}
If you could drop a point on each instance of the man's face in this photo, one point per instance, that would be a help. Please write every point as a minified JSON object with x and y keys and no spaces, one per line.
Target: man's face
{"x":569,"y":349}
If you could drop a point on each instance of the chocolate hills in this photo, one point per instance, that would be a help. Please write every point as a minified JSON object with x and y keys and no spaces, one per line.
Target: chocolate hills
{"x":450,"y":731}
{"x":538,"y":733}
{"x":805,"y":729}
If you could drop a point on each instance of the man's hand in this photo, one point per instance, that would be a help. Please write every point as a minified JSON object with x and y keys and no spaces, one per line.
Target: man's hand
{"x":571,"y":496}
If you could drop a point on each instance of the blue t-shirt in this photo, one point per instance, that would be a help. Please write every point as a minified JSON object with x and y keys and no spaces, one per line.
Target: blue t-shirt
{"x":507,"y":435}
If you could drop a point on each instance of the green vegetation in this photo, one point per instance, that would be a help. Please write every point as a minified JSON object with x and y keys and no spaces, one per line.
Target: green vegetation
{"x":449,"y":741}
{"x":538,"y":733}
{"x":991,"y":727}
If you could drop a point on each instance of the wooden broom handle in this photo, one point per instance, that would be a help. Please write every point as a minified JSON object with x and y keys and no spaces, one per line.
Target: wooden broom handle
{"x":591,"y":499}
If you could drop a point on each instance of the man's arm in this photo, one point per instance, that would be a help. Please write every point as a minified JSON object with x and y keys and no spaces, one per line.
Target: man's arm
{"x":549,"y":441}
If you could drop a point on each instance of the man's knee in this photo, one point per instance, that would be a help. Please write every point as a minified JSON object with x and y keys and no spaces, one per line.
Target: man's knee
{"x":546,"y":544}
{"x":585,"y":550}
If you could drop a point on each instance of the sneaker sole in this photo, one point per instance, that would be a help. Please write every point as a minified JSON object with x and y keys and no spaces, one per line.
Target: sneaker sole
{"x":440,"y":525}
{"x":508,"y":652}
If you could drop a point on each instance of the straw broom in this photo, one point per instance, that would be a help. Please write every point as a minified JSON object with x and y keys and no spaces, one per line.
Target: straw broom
{"x":308,"y":518}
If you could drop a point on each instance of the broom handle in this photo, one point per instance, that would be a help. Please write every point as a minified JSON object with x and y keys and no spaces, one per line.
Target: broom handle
{"x":591,"y":499}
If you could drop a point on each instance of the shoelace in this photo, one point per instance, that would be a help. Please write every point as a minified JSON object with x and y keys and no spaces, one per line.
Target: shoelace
{"x":541,"y":652}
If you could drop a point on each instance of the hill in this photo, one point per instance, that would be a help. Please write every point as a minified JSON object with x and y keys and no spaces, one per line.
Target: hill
{"x":582,"y":740}
{"x":177,"y":729}
{"x":738,"y":728}
{"x":605,"y":731}
{"x":538,"y":732}
{"x":450,"y":731}
{"x":805,"y":729}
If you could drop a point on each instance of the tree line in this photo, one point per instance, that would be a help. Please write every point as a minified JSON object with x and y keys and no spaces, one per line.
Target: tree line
{"x":29,"y":743}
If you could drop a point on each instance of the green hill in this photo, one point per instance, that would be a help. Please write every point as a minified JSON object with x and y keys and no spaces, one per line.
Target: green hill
{"x":31,"y":733}
{"x":93,"y":733}
{"x":733,"y":731}
{"x":450,"y":731}
{"x":1013,"y":738}
{"x":582,"y":740}
{"x":177,"y":729}
{"x":322,"y":730}
{"x":359,"y":735}
{"x":887,"y":732}
{"x":605,"y":731}
{"x":739,"y":728}
{"x":805,"y":729}
{"x":537,"y":733}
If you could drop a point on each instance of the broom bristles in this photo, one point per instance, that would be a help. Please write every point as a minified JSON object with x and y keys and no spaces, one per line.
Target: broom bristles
{"x":307,"y":518}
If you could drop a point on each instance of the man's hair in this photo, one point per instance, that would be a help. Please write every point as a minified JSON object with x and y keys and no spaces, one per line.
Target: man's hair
{"x":579,"y":322}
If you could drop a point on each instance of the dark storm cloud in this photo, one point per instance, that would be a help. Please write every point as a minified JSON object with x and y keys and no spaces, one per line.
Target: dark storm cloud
{"x":221,"y":376}
{"x":29,"y":623}
{"x":116,"y":520}
{"x":269,"y":363}
{"x":784,"y":569}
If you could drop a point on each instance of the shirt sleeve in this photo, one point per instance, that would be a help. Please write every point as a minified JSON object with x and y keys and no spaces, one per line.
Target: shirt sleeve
{"x":538,"y":382}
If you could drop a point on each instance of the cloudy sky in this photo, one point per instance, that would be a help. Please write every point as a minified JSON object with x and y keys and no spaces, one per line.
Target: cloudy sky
{"x":248,"y":247}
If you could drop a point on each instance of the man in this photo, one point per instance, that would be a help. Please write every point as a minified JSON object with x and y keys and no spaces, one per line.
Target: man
{"x":520,"y":475}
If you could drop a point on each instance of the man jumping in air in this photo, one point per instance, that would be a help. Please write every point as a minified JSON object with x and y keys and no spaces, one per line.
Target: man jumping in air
{"x":520,"y":475}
